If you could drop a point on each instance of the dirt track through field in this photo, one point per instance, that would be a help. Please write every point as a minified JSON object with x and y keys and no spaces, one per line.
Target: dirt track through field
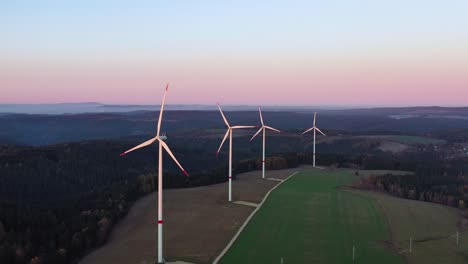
{"x":198,"y":222}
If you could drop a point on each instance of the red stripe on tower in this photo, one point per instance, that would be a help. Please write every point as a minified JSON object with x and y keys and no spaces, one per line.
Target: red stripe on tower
{"x":263,"y":161}
{"x":160,"y":222}
{"x":230,"y":177}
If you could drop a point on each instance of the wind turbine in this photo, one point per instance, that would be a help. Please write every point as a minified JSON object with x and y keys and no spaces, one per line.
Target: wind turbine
{"x":263,"y":128}
{"x":229,"y":133}
{"x":314,"y":128}
{"x":162,"y":145}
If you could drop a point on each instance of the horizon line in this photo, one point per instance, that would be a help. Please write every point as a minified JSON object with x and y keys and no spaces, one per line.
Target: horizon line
{"x":99,"y":104}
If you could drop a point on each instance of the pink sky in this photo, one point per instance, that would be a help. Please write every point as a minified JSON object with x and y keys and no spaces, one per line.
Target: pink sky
{"x":324,"y":81}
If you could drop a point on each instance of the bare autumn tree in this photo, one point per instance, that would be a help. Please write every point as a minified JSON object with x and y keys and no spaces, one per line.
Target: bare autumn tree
{"x":2,"y":231}
{"x":36,"y":260}
{"x":20,"y":255}
{"x":104,"y":228}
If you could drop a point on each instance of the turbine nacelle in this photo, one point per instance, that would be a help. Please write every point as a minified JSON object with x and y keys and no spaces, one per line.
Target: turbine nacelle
{"x":159,"y":138}
{"x":314,"y":127}
{"x":229,"y":129}
{"x":263,"y":126}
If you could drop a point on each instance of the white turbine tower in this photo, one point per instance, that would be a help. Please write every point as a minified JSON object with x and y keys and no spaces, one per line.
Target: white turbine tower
{"x":263,"y":128}
{"x":162,"y":145}
{"x":314,"y":128}
{"x":229,"y":133}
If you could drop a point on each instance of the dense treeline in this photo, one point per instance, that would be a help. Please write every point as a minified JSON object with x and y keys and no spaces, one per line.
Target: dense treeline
{"x":53,"y":129}
{"x":453,"y":136}
{"x":444,"y":182}
{"x":60,"y":234}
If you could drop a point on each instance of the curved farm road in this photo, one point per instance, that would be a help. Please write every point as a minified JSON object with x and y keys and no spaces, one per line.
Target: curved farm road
{"x":198,"y":222}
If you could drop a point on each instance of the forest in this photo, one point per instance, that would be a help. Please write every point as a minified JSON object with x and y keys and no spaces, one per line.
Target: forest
{"x":445,"y":184}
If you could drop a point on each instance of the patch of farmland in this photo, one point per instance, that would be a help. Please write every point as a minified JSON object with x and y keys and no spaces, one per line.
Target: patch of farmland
{"x":309,"y":220}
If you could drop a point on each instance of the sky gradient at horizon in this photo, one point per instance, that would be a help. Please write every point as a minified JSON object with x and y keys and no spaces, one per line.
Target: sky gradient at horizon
{"x":267,"y":52}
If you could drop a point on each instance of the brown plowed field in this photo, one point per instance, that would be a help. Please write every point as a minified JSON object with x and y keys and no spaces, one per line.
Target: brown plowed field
{"x":198,"y":222}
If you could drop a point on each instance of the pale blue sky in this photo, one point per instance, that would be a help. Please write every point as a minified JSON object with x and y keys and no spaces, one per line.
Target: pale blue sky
{"x":242,"y":27}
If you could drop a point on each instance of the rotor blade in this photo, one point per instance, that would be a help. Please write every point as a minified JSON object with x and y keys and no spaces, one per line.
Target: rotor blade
{"x":222,"y":142}
{"x":166,"y":147}
{"x":310,"y":129}
{"x":144,"y":144}
{"x":320,"y":131}
{"x":236,"y":127}
{"x":225,"y":120}
{"x":260,"y":130}
{"x":274,"y":129}
{"x":315,"y":115}
{"x":162,"y":110}
{"x":261,"y":117}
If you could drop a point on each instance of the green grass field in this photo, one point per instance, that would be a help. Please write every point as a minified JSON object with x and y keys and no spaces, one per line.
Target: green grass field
{"x":309,"y":220}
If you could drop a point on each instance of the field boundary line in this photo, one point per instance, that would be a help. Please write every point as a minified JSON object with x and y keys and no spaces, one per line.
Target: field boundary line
{"x":218,"y":258}
{"x":387,"y":219}
{"x":390,"y":227}
{"x":274,"y":179}
{"x":246,"y":203}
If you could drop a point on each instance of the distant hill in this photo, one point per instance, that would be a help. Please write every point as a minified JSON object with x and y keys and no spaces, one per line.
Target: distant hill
{"x":93,"y":107}
{"x":80,"y":108}
{"x":25,"y":129}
